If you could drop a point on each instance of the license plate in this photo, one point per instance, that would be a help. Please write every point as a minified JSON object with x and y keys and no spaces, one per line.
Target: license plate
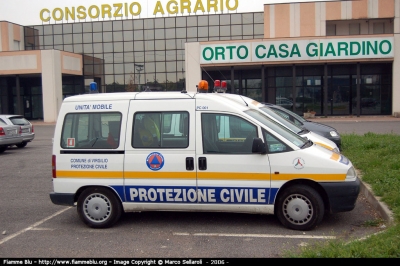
{"x":12,"y":132}
{"x":25,"y":130}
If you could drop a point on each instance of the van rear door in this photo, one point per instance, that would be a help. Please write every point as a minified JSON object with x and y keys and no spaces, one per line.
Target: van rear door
{"x":91,"y":146}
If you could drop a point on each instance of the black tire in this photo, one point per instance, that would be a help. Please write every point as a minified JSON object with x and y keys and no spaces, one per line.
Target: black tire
{"x":3,"y":149}
{"x":99,"y":207}
{"x":21,"y":145}
{"x":300,"y":207}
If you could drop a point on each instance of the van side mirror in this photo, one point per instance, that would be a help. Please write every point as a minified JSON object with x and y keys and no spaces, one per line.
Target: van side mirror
{"x":259,"y":146}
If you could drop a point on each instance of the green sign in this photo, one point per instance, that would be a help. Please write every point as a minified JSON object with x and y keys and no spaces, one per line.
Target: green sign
{"x":301,"y":50}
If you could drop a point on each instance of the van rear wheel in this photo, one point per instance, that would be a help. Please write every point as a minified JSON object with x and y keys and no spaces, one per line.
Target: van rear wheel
{"x":99,"y":207}
{"x":300,"y":207}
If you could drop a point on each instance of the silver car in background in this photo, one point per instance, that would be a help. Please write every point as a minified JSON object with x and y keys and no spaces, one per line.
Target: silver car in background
{"x":9,"y":135}
{"x":28,"y":133}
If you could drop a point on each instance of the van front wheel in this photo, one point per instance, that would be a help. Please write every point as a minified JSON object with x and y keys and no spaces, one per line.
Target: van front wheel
{"x":99,"y":207}
{"x":300,"y":207}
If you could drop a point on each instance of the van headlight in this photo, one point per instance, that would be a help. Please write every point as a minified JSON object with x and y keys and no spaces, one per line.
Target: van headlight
{"x":351,"y":174}
{"x":336,"y":150}
{"x":334,"y":133}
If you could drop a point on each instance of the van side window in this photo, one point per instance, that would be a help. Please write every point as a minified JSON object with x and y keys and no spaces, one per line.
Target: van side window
{"x":227,"y":134}
{"x":161,"y":130}
{"x":91,"y":131}
{"x":273,"y":144}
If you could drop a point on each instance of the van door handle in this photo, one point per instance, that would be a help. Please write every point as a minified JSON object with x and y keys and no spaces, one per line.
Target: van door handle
{"x":189,"y":163}
{"x":202,"y":163}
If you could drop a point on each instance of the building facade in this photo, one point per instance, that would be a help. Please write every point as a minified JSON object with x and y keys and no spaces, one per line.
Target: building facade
{"x":335,"y":58}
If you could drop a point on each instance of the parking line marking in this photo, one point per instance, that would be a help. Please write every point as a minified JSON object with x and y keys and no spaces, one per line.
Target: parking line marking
{"x":33,"y":226}
{"x":257,"y":235}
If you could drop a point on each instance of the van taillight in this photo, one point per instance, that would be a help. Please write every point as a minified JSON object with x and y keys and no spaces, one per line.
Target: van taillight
{"x":2,"y":133}
{"x":53,"y":166}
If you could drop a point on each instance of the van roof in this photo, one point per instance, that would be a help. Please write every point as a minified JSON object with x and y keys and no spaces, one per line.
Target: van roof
{"x":153,"y":95}
{"x":128,"y":96}
{"x":215,"y":101}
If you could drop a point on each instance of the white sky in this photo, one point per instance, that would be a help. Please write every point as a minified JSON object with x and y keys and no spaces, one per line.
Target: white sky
{"x":27,"y":12}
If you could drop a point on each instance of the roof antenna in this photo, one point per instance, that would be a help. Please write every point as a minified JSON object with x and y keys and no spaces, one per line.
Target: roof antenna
{"x":243,"y":100}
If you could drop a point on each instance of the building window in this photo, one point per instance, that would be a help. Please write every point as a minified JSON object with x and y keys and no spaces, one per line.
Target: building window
{"x":354,"y":29}
{"x":379,"y":28}
{"x":155,"y":43}
{"x":330,"y":30}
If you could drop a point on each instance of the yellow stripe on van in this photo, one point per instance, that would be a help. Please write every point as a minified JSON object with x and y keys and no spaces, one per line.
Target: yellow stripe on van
{"x":233,"y":176}
{"x":201,"y":176}
{"x":160,"y":175}
{"x":315,"y":177}
{"x":90,"y":174}
{"x":324,"y":145}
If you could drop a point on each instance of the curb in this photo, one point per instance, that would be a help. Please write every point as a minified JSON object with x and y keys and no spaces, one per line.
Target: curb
{"x":379,"y":206}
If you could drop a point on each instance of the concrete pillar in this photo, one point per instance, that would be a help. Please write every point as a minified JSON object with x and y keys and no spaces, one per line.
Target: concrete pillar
{"x":51,"y":84}
{"x":192,"y":66}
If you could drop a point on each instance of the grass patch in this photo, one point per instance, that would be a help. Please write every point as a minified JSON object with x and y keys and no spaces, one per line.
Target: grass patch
{"x":377,"y":156}
{"x":373,"y":223}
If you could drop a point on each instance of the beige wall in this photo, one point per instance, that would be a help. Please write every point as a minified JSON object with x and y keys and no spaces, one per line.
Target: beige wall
{"x":4,"y":45}
{"x":71,"y":63}
{"x":21,"y":62}
{"x":30,"y":62}
{"x":309,"y":19}
{"x":335,"y":10}
{"x":10,"y":32}
{"x":282,"y":16}
{"x":267,"y":20}
{"x":51,"y":64}
{"x":360,"y":9}
{"x":386,"y":8}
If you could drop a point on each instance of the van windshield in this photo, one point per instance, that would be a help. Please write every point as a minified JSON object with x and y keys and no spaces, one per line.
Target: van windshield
{"x":282,"y":120}
{"x":278,"y":128}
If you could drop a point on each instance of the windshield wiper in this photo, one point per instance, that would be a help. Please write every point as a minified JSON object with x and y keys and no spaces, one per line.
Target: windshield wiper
{"x":304,"y":131}
{"x":309,"y":143}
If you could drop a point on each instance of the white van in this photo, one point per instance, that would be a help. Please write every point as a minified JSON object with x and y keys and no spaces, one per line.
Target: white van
{"x":171,"y":151}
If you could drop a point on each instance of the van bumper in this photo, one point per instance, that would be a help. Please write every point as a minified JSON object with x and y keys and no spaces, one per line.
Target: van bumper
{"x":66,"y":199}
{"x":342,"y":196}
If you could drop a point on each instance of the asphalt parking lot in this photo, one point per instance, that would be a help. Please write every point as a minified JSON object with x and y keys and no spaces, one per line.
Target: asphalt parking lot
{"x":32,"y":226}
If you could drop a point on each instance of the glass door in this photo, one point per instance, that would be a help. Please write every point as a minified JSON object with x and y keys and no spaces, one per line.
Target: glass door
{"x":370,"y":95}
{"x":339,"y":95}
{"x":252,"y":89}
